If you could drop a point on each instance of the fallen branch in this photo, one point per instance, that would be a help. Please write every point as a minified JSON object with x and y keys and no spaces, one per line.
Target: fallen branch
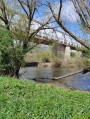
{"x":81,"y":71}
{"x":56,"y":78}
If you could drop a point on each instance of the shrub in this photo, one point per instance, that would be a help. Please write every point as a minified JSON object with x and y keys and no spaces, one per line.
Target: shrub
{"x":72,"y":54}
{"x":86,"y":52}
{"x":45,"y":56}
{"x":10,"y":55}
{"x":87,"y":62}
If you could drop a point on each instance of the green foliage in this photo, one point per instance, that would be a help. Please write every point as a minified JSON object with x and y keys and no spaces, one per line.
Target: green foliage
{"x":5,"y":49}
{"x":53,"y":44}
{"x":10,"y":54}
{"x":72,"y":54}
{"x":28,"y":100}
{"x":45,"y":56}
{"x":86,"y":52}
{"x":87,"y":62}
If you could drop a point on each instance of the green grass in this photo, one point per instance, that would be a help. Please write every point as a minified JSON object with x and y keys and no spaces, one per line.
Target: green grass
{"x":28,"y":100}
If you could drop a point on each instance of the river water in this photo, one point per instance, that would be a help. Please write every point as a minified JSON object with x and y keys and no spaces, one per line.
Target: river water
{"x":79,"y":81}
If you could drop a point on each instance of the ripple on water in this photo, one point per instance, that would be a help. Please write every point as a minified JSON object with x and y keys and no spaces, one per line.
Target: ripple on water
{"x":79,"y":81}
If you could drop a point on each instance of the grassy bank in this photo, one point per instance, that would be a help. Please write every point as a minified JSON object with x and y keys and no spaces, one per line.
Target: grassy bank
{"x":28,"y":100}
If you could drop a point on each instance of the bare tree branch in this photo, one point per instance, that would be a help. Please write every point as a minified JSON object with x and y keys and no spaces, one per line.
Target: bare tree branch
{"x":85,"y":6}
{"x":59,"y":13}
{"x":78,"y":11}
{"x":23,"y":7}
{"x":4,"y":16}
{"x":2,"y":19}
{"x":84,"y":14}
{"x":31,"y":48}
{"x":41,"y":27}
{"x":64,"y":28}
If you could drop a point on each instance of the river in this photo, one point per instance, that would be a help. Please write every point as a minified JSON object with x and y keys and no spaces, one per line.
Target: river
{"x":79,"y":81}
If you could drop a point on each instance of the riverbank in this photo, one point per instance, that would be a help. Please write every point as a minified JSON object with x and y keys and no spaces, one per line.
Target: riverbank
{"x":77,"y":62}
{"x":47,"y":59}
{"x":29,"y":100}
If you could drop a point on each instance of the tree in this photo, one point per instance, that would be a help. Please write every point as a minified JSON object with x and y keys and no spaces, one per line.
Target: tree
{"x":84,"y":15}
{"x":19,"y":43}
{"x":10,"y":57}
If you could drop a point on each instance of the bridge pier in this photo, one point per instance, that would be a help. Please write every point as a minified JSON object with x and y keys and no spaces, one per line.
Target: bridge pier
{"x":59,"y":49}
{"x":67,"y":53}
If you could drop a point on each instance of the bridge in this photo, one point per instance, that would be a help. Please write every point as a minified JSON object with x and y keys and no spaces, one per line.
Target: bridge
{"x":63,"y":42}
{"x":53,"y":35}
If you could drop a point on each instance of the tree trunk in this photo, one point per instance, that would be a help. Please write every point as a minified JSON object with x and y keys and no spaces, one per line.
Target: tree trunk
{"x":16,"y":73}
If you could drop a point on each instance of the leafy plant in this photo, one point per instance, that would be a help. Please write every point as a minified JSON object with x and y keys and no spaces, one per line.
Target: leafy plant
{"x":72,"y":54}
{"x":29,"y":100}
{"x":45,"y":56}
{"x":11,"y":56}
{"x":87,"y":62}
{"x":86,"y":52}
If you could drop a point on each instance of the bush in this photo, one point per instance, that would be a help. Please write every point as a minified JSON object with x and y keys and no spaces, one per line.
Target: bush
{"x":86,"y":52}
{"x":87,"y":62}
{"x":5,"y":51}
{"x":10,"y":54}
{"x":72,"y":54}
{"x":57,"y":62}
{"x":45,"y":56}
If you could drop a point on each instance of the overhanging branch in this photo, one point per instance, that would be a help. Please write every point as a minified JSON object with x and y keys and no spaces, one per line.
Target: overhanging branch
{"x":64,"y":28}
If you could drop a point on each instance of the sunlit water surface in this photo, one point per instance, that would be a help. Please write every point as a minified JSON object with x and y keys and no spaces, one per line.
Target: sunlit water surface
{"x":79,"y":81}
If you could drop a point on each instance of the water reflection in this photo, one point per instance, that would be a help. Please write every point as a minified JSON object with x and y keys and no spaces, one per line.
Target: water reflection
{"x":79,"y":81}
